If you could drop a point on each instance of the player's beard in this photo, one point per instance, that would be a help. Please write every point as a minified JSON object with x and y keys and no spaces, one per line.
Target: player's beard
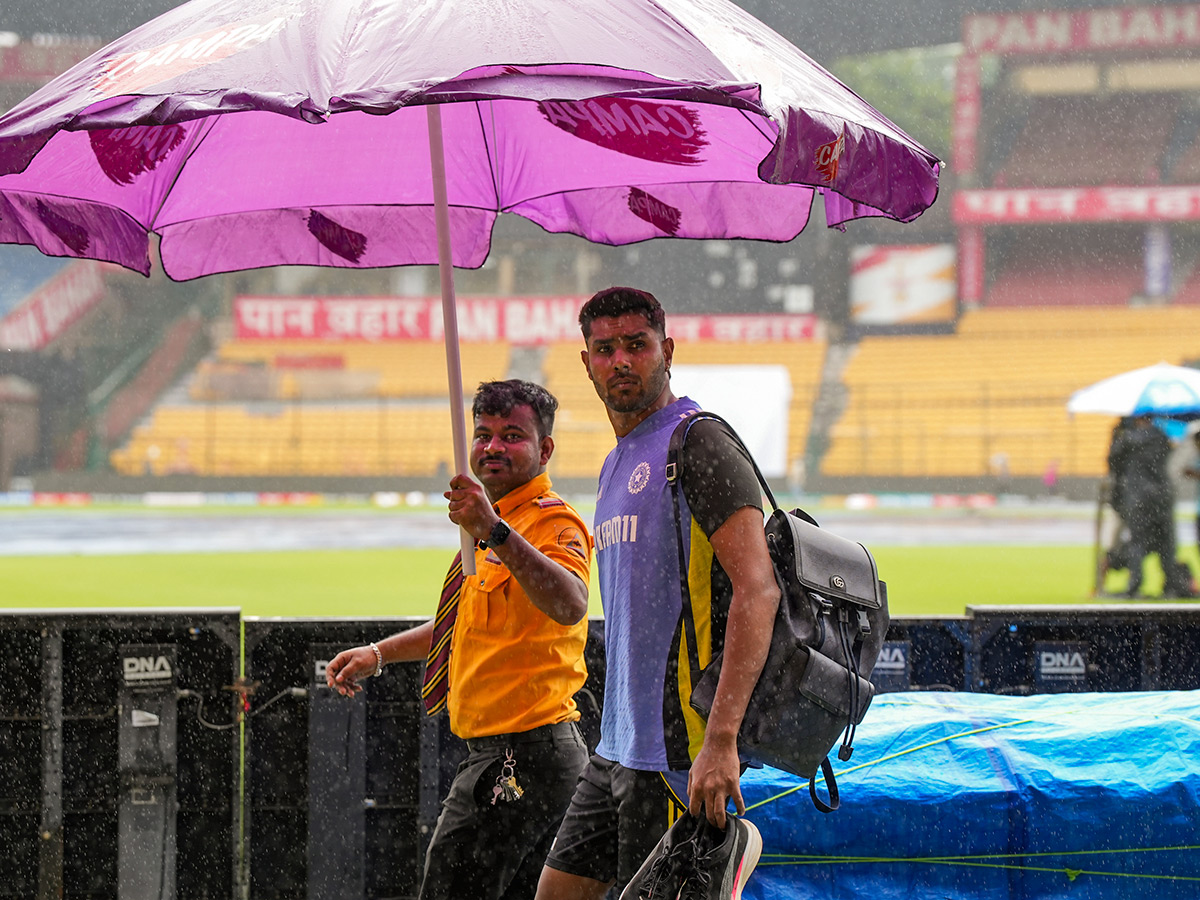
{"x":652,"y":389}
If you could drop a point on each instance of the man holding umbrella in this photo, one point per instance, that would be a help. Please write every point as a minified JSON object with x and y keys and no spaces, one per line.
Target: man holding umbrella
{"x":517,"y":630}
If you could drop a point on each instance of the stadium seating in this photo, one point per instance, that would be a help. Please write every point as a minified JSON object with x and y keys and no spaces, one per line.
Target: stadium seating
{"x":993,"y":397}
{"x":803,"y":362}
{"x":584,"y":435}
{"x":261,"y":408}
{"x":392,"y":369}
{"x":234,"y":439}
{"x":1073,"y":142}
{"x":311,"y":408}
{"x":1040,"y":270}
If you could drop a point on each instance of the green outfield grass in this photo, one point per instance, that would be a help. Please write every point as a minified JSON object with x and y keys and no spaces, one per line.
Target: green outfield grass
{"x":922,"y":581}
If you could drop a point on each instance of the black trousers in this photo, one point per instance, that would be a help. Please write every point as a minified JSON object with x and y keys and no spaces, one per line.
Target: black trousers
{"x":496,"y":851}
{"x":1151,"y":521}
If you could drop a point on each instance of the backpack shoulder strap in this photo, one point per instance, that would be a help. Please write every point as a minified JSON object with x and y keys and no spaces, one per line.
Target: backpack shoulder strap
{"x":674,"y":471}
{"x":675,"y":453}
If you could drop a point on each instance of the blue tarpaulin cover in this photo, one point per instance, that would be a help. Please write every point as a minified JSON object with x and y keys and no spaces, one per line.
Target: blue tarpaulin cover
{"x":959,"y":796}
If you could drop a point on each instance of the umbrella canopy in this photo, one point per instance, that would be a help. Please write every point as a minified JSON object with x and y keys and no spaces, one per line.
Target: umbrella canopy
{"x":1159,"y":390}
{"x":252,"y":133}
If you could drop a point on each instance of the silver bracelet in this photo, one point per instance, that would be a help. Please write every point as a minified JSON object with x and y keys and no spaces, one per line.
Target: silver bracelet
{"x":378,"y":659}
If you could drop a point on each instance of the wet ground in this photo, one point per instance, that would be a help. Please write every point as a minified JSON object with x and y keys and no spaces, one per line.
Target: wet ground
{"x":36,"y":532}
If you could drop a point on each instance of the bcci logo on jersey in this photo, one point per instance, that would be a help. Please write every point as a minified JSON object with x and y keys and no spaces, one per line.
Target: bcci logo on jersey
{"x":640,"y":478}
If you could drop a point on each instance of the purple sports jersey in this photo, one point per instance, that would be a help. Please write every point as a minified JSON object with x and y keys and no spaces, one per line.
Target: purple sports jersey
{"x":645,"y":725}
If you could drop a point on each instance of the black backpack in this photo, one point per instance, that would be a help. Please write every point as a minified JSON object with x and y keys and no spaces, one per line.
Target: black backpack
{"x":832,"y":621}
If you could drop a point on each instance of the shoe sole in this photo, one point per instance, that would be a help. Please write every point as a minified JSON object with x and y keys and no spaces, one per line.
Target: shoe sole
{"x":749,"y":858}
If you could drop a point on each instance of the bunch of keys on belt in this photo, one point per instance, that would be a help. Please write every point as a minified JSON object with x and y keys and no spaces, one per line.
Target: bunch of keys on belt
{"x":506,"y":787}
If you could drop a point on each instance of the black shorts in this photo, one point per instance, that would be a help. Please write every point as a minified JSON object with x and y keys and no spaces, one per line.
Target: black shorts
{"x":616,"y":818}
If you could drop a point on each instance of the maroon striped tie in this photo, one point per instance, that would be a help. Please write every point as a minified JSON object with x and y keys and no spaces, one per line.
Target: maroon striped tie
{"x":437,"y":666}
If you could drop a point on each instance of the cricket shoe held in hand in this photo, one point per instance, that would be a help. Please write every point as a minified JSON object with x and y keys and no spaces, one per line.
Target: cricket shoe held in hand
{"x":723,"y":860}
{"x":661,"y":875}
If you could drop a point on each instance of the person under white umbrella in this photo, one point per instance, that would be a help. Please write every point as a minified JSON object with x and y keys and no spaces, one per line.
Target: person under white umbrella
{"x":1144,"y":498}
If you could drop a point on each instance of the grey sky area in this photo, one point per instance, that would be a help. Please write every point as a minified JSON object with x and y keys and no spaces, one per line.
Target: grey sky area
{"x":822,"y":28}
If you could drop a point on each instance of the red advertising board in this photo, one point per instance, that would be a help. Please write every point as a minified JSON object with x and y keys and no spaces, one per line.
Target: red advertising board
{"x":967,"y":109}
{"x":49,"y":310}
{"x":518,"y":320}
{"x":1014,"y":206}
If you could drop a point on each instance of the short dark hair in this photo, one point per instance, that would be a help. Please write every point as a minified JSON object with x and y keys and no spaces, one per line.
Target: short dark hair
{"x":617,"y":301}
{"x":498,"y":398}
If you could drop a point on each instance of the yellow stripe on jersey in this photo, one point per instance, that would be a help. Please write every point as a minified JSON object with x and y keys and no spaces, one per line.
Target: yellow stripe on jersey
{"x":700,"y":587}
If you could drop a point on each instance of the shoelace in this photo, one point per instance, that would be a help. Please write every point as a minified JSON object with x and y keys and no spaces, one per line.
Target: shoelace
{"x":663,"y":871}
{"x":696,"y":886}
{"x":681,"y":860}
{"x":658,"y":878}
{"x":707,"y":841}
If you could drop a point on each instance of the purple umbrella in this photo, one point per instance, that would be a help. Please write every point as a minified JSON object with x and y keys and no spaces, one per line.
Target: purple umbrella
{"x":250,"y":133}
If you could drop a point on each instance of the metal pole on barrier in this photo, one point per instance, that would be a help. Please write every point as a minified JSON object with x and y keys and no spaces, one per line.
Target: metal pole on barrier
{"x":50,"y":851}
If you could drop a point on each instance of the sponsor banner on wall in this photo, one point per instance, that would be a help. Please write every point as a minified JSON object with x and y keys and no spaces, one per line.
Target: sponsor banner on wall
{"x":1100,"y":204}
{"x":972,"y":252}
{"x":518,"y":320}
{"x":967,"y":110}
{"x":902,"y":285}
{"x":1055,"y":31}
{"x":53,"y":307}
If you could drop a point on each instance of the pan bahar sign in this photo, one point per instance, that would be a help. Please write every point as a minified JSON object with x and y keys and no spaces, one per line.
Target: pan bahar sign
{"x":518,"y":320}
{"x":1085,"y":29}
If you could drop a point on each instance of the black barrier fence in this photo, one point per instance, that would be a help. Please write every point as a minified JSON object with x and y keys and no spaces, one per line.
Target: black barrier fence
{"x":194,"y":754}
{"x":924,"y":655}
{"x":337,"y":787}
{"x":1051,"y":649}
{"x":375,"y":767}
{"x":107,"y":764}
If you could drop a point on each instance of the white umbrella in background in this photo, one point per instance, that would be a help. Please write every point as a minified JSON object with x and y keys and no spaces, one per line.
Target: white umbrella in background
{"x":1159,"y":390}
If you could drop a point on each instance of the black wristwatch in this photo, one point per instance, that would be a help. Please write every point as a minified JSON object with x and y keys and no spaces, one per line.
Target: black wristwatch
{"x":497,"y":536}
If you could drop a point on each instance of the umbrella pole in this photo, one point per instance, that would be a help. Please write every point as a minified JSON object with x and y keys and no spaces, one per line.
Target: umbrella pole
{"x":441,"y":214}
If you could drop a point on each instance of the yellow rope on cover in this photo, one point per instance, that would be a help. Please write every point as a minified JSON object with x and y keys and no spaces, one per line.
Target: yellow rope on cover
{"x":969,"y":861}
{"x":980,"y":861}
{"x":891,"y":756}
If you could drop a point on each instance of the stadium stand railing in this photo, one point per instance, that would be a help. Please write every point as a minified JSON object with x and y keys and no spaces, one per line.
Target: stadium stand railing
{"x":309,"y":408}
{"x":348,"y":409}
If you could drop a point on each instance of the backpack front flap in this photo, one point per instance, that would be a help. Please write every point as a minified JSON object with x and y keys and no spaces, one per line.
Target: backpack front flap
{"x":827,"y":563}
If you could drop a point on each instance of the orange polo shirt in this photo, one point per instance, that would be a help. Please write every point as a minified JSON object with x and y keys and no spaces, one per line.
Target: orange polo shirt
{"x":512,"y":667}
